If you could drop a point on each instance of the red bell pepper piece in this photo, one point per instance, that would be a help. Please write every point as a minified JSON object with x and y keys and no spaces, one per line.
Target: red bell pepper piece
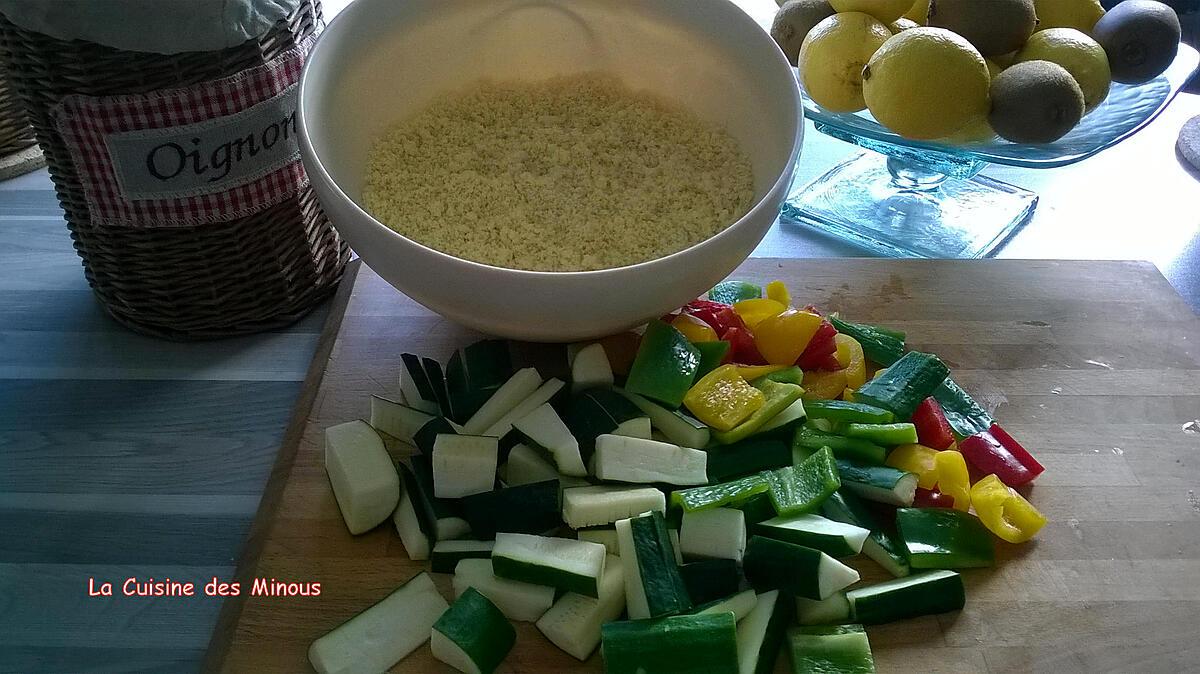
{"x":720,"y":317}
{"x":817,"y":354}
{"x":932,"y":428}
{"x":741,"y":347}
{"x":995,"y":451}
{"x":932,"y":498}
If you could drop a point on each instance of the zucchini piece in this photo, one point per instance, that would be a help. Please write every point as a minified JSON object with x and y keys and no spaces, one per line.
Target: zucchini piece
{"x":526,"y":465}
{"x":796,"y":490}
{"x":740,"y":604}
{"x":383,"y":634}
{"x":561,"y":563}
{"x":364,"y":481}
{"x":523,"y":602}
{"x":889,"y":435}
{"x":472,"y":636}
{"x":416,"y":540}
{"x":678,"y":427}
{"x":415,"y":387}
{"x":726,"y":462}
{"x":520,"y":386}
{"x":848,"y":412}
{"x":882,"y":484}
{"x":717,"y":495}
{"x":779,"y":398}
{"x":757,"y":508}
{"x":574,"y":622}
{"x":835,"y":648}
{"x":524,"y":509}
{"x":966,"y":416}
{"x":542,"y":428}
{"x":683,"y":644}
{"x":604,"y":536}
{"x":885,"y":549}
{"x":709,"y":580}
{"x":447,"y":554}
{"x":437,"y":380}
{"x":590,"y":368}
{"x":793,"y":416}
{"x":665,"y":365}
{"x":732,"y":292}
{"x":464,"y":465}
{"x":396,"y":419}
{"x":623,"y":459}
{"x":425,"y":438}
{"x":545,"y":393}
{"x":634,"y":428}
{"x":464,"y":400}
{"x":760,"y":636}
{"x":927,"y":593}
{"x":653,"y":586}
{"x":795,"y":569}
{"x":940,"y":538}
{"x":836,"y":539}
{"x":881,"y":346}
{"x":601,"y":505}
{"x":488,"y":363}
{"x":832,"y":611}
{"x":843,"y":447}
{"x":619,"y":408}
{"x":716,"y":533}
{"x":443,"y":516}
{"x":905,"y":384}
{"x":711,"y":355}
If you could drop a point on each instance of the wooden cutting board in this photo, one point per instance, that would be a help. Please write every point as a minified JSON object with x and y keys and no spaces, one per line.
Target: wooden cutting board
{"x":1094,"y":366}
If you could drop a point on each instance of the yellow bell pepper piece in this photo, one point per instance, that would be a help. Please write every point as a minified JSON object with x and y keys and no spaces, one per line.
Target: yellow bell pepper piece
{"x":752,"y":372}
{"x":1005,"y":512}
{"x":722,"y":399}
{"x":953,"y":479}
{"x":848,"y":395}
{"x":694,"y":329}
{"x":850,"y":355}
{"x":917,"y":459}
{"x":777,"y":291}
{"x":756,"y":311}
{"x":782,"y":338}
{"x":821,"y":385}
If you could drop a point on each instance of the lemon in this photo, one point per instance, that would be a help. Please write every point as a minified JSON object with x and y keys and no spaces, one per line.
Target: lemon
{"x":1078,"y":14}
{"x":832,"y":59}
{"x":1076,"y":52}
{"x":902,"y":24}
{"x":886,"y":11}
{"x":926,"y":83}
{"x":977,"y":130}
{"x":919,"y":12}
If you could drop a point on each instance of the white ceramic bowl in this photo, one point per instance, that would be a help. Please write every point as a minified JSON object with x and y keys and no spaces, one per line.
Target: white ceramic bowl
{"x":382,"y":60}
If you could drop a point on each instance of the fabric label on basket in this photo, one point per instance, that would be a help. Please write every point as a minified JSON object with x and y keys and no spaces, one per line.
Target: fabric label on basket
{"x":215,"y":151}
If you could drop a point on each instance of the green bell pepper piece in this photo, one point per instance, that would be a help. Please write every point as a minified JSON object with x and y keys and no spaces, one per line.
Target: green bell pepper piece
{"x":796,"y":490}
{"x":665,"y":365}
{"x":711,"y":355}
{"x":779,"y":397}
{"x":830,"y":648}
{"x":788,"y":375}
{"x":809,"y":438}
{"x":717,"y":495}
{"x":847,"y":412}
{"x":939,"y":538}
{"x":884,"y":434}
{"x":732,"y":292}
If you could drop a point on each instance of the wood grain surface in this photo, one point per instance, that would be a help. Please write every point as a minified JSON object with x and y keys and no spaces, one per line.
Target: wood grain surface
{"x":1093,"y":365}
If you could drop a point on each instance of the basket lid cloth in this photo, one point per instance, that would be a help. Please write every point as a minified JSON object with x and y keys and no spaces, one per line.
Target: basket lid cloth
{"x":156,"y":26}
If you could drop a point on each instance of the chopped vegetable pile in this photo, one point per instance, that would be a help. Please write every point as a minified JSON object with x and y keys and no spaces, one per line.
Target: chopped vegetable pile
{"x":687,"y":503}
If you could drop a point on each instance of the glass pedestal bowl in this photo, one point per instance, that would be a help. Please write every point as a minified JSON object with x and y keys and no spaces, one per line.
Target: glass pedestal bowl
{"x":907,"y":198}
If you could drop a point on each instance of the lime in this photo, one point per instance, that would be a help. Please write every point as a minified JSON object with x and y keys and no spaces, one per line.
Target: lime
{"x":1078,"y":14}
{"x":919,"y":12}
{"x":926,"y":83}
{"x":1079,"y":54}
{"x":832,"y":59}
{"x":886,"y":11}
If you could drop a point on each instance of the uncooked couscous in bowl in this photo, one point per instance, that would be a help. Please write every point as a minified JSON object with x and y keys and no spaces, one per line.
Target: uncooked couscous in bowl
{"x":574,"y":173}
{"x":549,"y":170}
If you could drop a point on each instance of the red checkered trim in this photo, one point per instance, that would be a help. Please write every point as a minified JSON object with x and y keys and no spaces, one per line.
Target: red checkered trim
{"x":85,"y":122}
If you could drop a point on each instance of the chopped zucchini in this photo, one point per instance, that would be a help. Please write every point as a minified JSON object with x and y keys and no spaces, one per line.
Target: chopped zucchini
{"x":792,"y":416}
{"x":740,"y":604}
{"x":472,"y":636}
{"x":425,"y":438}
{"x":966,"y":416}
{"x":832,"y":611}
{"x":710,"y":580}
{"x":442,"y":517}
{"x":804,"y":572}
{"x":635,"y":428}
{"x":561,"y":563}
{"x":837,"y":648}
{"x":396,"y":419}
{"x":906,"y":383}
{"x":415,"y":387}
{"x":843,"y":447}
{"x":603,"y":505}
{"x":886,"y":550}
{"x":464,"y":465}
{"x":437,"y":380}
{"x":590,"y":368}
{"x":882,"y":484}
{"x":677,"y":426}
{"x":544,"y":394}
{"x":624,"y":459}
{"x":836,"y":539}
{"x":889,"y":435}
{"x":682,"y":644}
{"x":653,"y":586}
{"x":716,"y":533}
{"x":526,"y":465}
{"x":726,"y":462}
{"x":523,"y":602}
{"x":927,"y":593}
{"x":416,"y":540}
{"x":881,"y":346}
{"x":519,"y":387}
{"x":365,"y":484}
{"x":848,"y":412}
{"x":524,"y":509}
{"x":760,"y":636}
{"x":384,"y":633}
{"x":574,"y":622}
{"x":606,"y":536}
{"x":447,"y":554}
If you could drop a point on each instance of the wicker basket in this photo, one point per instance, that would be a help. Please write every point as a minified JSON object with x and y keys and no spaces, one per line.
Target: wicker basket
{"x":15,"y":132}
{"x":205,"y":281}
